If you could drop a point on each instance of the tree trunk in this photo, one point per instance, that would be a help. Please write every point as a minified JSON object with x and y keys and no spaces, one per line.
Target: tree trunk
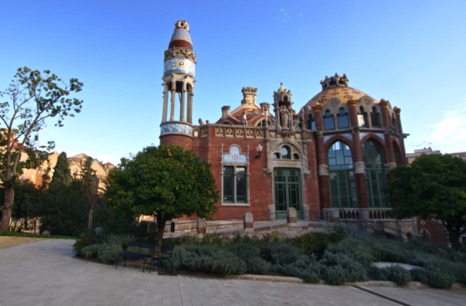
{"x":160,"y":231}
{"x":90,"y":220}
{"x":7,"y":208}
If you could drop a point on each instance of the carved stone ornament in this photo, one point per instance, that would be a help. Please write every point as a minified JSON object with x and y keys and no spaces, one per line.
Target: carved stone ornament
{"x":359,"y":168}
{"x":267,"y":172}
{"x":323,"y":170}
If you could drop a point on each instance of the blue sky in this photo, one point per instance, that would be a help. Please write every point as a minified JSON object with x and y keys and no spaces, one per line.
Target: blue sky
{"x":410,"y":52}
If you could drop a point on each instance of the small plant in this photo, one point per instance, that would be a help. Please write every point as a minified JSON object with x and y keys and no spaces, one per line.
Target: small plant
{"x":437,"y":278}
{"x":398,"y":275}
{"x":334,"y":275}
{"x":206,"y":259}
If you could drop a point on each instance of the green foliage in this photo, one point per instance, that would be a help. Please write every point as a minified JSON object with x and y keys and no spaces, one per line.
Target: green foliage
{"x":206,"y":259}
{"x":398,"y":275}
{"x":418,"y":275}
{"x":280,"y":253}
{"x":313,"y":243}
{"x":64,"y":209}
{"x":167,"y":180}
{"x":438,"y":278}
{"x":61,"y":173}
{"x":353,"y":271}
{"x":334,"y":275}
{"x":30,"y":100}
{"x":115,"y":221}
{"x":305,"y":267}
{"x":401,"y":277}
{"x":357,"y":247}
{"x":433,"y":186}
{"x":86,"y":239}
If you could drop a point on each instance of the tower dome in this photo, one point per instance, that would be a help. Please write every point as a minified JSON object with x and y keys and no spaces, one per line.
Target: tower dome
{"x":335,"y":89}
{"x":181,"y":37}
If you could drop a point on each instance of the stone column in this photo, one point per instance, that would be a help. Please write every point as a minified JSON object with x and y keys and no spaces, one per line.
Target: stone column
{"x":322,"y":163}
{"x":401,"y":135}
{"x":190,"y":106}
{"x":172,"y":110}
{"x":359,"y":167}
{"x":201,"y":227}
{"x":248,"y":222}
{"x":183,"y":105}
{"x":165,"y":102}
{"x":292,"y":216}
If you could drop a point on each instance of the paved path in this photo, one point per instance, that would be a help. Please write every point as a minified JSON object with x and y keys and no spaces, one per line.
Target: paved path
{"x":46,"y":273}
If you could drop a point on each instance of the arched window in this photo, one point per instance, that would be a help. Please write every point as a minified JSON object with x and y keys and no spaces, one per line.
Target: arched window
{"x":311,"y":123}
{"x":285,"y":152}
{"x":395,"y":129}
{"x":343,"y":192}
{"x":362,"y":118}
{"x":343,"y":119}
{"x":329,"y":122}
{"x":375,"y":176}
{"x":397,"y":154}
{"x":375,"y":118}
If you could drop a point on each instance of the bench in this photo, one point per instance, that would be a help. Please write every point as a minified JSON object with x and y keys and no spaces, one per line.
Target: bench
{"x":139,"y":251}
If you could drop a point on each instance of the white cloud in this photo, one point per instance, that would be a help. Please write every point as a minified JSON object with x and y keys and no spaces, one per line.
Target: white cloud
{"x":285,"y":15}
{"x":450,"y":132}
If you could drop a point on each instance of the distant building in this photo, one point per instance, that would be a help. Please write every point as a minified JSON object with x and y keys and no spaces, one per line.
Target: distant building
{"x":327,"y":159}
{"x":36,"y":176}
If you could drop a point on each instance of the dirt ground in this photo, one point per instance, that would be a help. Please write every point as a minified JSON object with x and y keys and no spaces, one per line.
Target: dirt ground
{"x":8,"y":241}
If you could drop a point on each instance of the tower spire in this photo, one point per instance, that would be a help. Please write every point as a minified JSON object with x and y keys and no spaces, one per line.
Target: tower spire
{"x":178,"y":88}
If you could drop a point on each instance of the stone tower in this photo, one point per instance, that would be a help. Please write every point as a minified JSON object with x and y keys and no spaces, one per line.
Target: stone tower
{"x":178,"y":88}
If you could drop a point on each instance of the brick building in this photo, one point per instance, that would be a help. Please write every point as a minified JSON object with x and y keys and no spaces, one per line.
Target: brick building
{"x":327,"y":160}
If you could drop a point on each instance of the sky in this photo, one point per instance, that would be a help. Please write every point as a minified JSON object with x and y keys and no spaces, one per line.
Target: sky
{"x":410,"y":52}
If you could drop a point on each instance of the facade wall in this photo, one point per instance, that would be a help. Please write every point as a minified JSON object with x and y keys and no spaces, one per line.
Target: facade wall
{"x":286,"y":150}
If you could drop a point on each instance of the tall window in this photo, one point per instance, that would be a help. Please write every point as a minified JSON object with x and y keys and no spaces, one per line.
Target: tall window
{"x":375,"y":118}
{"x":395,"y":129}
{"x":375,"y":174}
{"x":311,"y":123}
{"x":329,"y":123}
{"x":362,"y":117}
{"x":235,"y":184}
{"x":343,"y":119}
{"x":343,"y":192}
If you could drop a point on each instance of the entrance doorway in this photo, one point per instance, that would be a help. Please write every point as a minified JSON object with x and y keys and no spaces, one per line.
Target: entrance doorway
{"x":287,"y":188}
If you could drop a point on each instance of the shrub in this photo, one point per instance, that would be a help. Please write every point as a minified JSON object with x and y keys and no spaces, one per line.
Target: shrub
{"x":358,"y":248}
{"x":377,"y":274}
{"x":108,"y":253}
{"x":334,"y":275}
{"x":257,"y":265}
{"x":206,"y":259}
{"x":280,"y":253}
{"x":89,"y":252}
{"x":419,"y":275}
{"x":86,"y":239}
{"x":437,"y":278}
{"x":313,"y":243}
{"x":398,"y":275}
{"x":353,"y":270}
{"x":306,"y":268}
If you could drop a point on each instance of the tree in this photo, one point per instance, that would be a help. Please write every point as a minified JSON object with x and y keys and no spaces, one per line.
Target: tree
{"x":30,"y":100}
{"x":65,"y":205}
{"x":432,"y":187}
{"x":167,"y":181}
{"x":90,"y":183}
{"x":28,"y":201}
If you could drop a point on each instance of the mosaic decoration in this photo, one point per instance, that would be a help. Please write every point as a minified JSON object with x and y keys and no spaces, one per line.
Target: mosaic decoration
{"x":179,"y":65}
{"x":235,"y":156}
{"x":169,"y":128}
